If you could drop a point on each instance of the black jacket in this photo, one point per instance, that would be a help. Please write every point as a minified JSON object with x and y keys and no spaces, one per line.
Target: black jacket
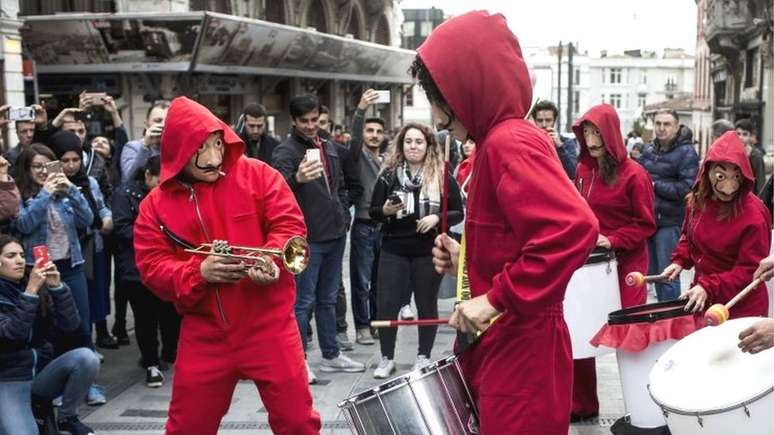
{"x":321,"y":202}
{"x":262,"y":149}
{"x":25,"y":333}
{"x":126,"y":206}
{"x":400,"y":236}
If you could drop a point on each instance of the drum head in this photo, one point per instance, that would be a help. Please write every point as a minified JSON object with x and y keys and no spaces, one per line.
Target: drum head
{"x":707,"y":373}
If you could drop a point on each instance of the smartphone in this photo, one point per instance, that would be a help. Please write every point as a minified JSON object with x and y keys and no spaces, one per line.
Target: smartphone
{"x":395,"y":198}
{"x":313,"y":155}
{"x":96,"y":98}
{"x":54,"y":167}
{"x":384,"y":97}
{"x":38,"y":252}
{"x":21,"y":114}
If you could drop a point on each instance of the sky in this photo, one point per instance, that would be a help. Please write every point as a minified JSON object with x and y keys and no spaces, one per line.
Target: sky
{"x":613,"y":25}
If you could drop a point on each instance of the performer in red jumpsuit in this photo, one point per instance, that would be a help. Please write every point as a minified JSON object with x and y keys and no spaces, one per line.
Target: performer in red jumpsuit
{"x":526,"y":231}
{"x":238,"y":322}
{"x":620,"y":194}
{"x":726,"y":232}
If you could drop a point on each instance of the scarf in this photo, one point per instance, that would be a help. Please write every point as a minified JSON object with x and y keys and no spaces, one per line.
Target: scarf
{"x":429,"y":192}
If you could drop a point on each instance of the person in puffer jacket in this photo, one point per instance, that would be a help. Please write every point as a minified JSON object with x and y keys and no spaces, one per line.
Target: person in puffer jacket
{"x":31,"y":314}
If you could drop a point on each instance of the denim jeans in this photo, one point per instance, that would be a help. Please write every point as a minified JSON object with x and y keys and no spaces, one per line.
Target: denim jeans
{"x":365,"y":241}
{"x":70,"y":376}
{"x":75,"y":278}
{"x":317,"y":287}
{"x":660,"y":247}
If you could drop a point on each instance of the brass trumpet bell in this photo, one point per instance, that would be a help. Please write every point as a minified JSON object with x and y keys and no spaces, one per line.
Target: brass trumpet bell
{"x":294,"y":255}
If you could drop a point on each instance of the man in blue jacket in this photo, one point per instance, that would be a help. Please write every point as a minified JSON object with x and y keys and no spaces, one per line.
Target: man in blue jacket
{"x":672,"y":163}
{"x":544,"y":115}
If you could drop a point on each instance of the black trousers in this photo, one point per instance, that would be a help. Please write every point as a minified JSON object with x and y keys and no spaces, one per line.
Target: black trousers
{"x":398,"y":276}
{"x":151,"y":317}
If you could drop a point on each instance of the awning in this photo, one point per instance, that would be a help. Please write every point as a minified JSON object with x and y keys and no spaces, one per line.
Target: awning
{"x":204,"y":42}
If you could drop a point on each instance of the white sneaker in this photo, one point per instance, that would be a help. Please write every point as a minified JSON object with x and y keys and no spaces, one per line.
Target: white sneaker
{"x":422,"y":361}
{"x":310,"y":374}
{"x":153,"y":377}
{"x":341,"y":364}
{"x":406,"y":313}
{"x":385,"y":369}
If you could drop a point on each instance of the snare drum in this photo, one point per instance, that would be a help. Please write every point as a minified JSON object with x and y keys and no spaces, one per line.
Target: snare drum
{"x":591,"y":294}
{"x":433,"y":400}
{"x":706,"y":386}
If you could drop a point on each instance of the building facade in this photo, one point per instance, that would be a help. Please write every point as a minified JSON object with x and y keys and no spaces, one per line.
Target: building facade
{"x":417,"y":25}
{"x":224,"y":53}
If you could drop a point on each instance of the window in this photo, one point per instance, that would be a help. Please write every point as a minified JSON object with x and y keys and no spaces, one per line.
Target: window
{"x":577,"y":76}
{"x":426,"y":28}
{"x":644,"y":78}
{"x":410,"y":97}
{"x":408,"y":28}
{"x":641,"y":101}
{"x":576,"y":101}
{"x":615,"y":100}
{"x":751,"y":68}
{"x":615,"y":75}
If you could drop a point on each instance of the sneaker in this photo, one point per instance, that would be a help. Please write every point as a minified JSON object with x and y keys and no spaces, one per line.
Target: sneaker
{"x":422,"y":361}
{"x":406,"y":313}
{"x":73,"y":426}
{"x":95,"y":396}
{"x":310,"y":374}
{"x":385,"y":369}
{"x":343,"y":341}
{"x":341,"y":364}
{"x":153,"y":377}
{"x":57,"y":402}
{"x":363,"y":336}
{"x":107,"y":342}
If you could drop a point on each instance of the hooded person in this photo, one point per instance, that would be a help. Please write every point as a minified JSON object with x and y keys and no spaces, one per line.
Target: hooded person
{"x":620,"y":194}
{"x":526,"y":228}
{"x":726,"y":233}
{"x":209,"y":191}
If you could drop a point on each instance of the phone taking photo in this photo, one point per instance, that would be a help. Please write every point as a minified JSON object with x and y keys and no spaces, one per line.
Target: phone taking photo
{"x":384,"y":97}
{"x":313,"y":155}
{"x":54,"y":167}
{"x":21,"y":114}
{"x":40,"y":252}
{"x":395,"y":199}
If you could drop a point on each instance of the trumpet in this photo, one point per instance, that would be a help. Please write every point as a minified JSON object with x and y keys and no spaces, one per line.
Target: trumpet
{"x":294,"y":255}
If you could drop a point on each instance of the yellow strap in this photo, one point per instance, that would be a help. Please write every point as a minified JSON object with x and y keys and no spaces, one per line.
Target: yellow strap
{"x":463,"y":283}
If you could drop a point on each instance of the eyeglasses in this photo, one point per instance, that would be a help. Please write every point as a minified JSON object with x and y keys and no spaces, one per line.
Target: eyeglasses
{"x":38,"y":167}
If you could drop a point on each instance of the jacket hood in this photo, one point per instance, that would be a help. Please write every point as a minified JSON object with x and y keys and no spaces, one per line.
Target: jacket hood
{"x":729,"y":148}
{"x":476,"y":62}
{"x":187,"y":126}
{"x":605,"y":118}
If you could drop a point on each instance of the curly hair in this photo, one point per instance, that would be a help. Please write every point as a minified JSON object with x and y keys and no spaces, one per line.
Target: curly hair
{"x":432,"y":169}
{"x":419,"y":71}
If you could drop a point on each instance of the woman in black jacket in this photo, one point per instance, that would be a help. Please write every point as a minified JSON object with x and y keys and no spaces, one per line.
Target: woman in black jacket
{"x":31,"y":313}
{"x":407,"y":200}
{"x":151,"y":314}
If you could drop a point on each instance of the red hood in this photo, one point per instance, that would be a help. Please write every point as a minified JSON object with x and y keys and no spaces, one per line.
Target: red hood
{"x":187,"y":127}
{"x":606,"y":119}
{"x":477,"y":64}
{"x":729,"y":148}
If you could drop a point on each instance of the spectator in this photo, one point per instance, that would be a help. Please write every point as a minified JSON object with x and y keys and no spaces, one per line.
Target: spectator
{"x":719,"y":127}
{"x":9,"y":197}
{"x":252,"y":129}
{"x":672,"y":164}
{"x":544,"y":116}
{"x":746,"y":132}
{"x":135,"y":153}
{"x":318,"y":187}
{"x":407,"y":199}
{"x":26,"y":132}
{"x":30,"y":311}
{"x":365,"y":237}
{"x":151,"y":315}
{"x":465,"y":167}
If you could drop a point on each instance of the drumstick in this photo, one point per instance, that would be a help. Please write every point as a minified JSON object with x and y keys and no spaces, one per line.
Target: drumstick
{"x":418,"y":322}
{"x":637,"y":279}
{"x":719,"y":313}
{"x":445,"y":192}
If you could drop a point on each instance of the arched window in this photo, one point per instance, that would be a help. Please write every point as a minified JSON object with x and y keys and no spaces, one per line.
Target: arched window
{"x":275,"y":11}
{"x":382,"y":33}
{"x":315,"y":16}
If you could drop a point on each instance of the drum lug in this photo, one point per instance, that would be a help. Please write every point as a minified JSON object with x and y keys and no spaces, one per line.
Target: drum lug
{"x":665,"y":412}
{"x":747,"y":411}
{"x":609,"y":268}
{"x":700,"y":420}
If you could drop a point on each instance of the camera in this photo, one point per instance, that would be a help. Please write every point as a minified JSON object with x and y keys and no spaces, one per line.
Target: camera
{"x":21,"y":114}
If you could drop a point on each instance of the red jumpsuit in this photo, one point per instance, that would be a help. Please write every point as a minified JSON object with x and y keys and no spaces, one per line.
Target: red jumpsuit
{"x":527,"y":229}
{"x":626,"y":218}
{"x":228,"y":332}
{"x":725,"y":252}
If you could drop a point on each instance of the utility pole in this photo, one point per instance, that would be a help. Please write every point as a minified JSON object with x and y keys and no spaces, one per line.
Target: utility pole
{"x":559,"y":89}
{"x":570,"y":82}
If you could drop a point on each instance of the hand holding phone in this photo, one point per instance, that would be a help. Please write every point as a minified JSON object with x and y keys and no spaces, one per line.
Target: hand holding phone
{"x":40,"y":252}
{"x":384,"y":97}
{"x":21,"y":114}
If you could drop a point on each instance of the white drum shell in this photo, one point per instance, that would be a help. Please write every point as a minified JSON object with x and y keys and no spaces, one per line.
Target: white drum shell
{"x":733,"y":393}
{"x":591,"y":295}
{"x":634,"y":368}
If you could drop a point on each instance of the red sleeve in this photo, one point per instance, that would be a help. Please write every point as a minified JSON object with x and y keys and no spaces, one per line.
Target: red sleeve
{"x":643,"y":222}
{"x":557,"y":231}
{"x":162,"y":269}
{"x":753,"y":247}
{"x":283,"y":218}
